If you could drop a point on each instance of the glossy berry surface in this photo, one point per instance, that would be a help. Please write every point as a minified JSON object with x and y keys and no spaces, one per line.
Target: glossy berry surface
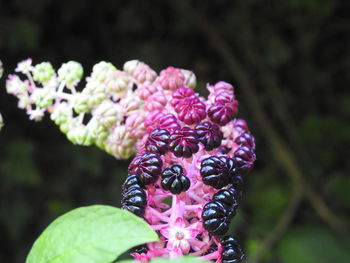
{"x":209,"y":135}
{"x":191,"y":111}
{"x":244,"y":158}
{"x":221,"y":113}
{"x":246,"y":139}
{"x":231,"y":252}
{"x":215,"y":219}
{"x":218,"y":171}
{"x":148,"y":166}
{"x":229,"y":199}
{"x":181,"y":94}
{"x":174,"y":180}
{"x":158,"y":141}
{"x":133,"y":196}
{"x":184,"y":142}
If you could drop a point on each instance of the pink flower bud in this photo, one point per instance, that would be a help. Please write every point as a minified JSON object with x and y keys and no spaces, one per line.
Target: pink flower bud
{"x":156,"y":101}
{"x":171,"y":78}
{"x":143,"y":74}
{"x":144,"y":91}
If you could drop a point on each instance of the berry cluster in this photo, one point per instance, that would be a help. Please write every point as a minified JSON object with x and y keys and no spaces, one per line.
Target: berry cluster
{"x":190,"y":150}
{"x":195,"y":154}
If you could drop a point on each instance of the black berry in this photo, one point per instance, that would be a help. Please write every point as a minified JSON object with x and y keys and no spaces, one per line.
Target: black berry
{"x":148,"y":166}
{"x":228,"y":198}
{"x":174,"y":180}
{"x":184,"y":142}
{"x":209,"y":134}
{"x":158,"y":141}
{"x":244,"y":158}
{"x":133,"y":196}
{"x":218,"y":171}
{"x":232,"y":251}
{"x":215,"y":218}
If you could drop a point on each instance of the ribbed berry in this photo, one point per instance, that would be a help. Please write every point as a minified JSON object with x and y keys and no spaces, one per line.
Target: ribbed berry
{"x":132,"y":179}
{"x":171,"y":78}
{"x":231,"y":250}
{"x":218,"y":171}
{"x":209,"y":134}
{"x":174,"y":180}
{"x":184,"y":142}
{"x":240,"y":125}
{"x":134,"y":196}
{"x":158,"y":141}
{"x":148,"y":166}
{"x":221,"y":113}
{"x":180,"y":94}
{"x":223,"y":150}
{"x":244,"y":158}
{"x":215,"y":218}
{"x":191,"y":110}
{"x":162,"y":121}
{"x":246,"y":139}
{"x":229,"y":199}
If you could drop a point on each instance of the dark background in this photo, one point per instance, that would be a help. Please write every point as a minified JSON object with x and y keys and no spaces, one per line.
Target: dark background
{"x":289,"y":62}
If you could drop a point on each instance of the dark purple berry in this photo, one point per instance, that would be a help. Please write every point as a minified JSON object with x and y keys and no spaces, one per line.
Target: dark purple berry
{"x":174,"y":180}
{"x":191,"y":110}
{"x":229,"y":199}
{"x":240,"y":125}
{"x":147,"y":166}
{"x":184,"y":142}
{"x":224,"y":108}
{"x":209,"y":134}
{"x":231,"y":250}
{"x":246,"y":139}
{"x":140,"y":249}
{"x":215,"y":218}
{"x":158,"y":141}
{"x":134,"y":199}
{"x":218,"y":171}
{"x":244,"y":158}
{"x":131,"y":180}
{"x":223,"y":150}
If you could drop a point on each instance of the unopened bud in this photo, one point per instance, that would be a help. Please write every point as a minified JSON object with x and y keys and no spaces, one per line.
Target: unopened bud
{"x":101,"y":70}
{"x":130,"y":66}
{"x":80,"y":135}
{"x":71,"y":72}
{"x":43,"y":72}
{"x":42,"y":97}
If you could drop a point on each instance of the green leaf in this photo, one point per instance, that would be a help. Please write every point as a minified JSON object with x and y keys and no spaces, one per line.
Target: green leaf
{"x":90,"y":234}
{"x":313,"y":245}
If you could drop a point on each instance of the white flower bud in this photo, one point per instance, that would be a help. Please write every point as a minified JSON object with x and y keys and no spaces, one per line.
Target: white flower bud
{"x":130,"y":66}
{"x":61,"y":113}
{"x":190,"y":78}
{"x":101,"y":70}
{"x":42,"y":97}
{"x":117,"y":83}
{"x":107,"y":113}
{"x":120,"y":143}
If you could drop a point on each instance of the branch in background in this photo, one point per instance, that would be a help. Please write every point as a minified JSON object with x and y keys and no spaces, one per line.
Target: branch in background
{"x":281,"y":227}
{"x":282,"y":153}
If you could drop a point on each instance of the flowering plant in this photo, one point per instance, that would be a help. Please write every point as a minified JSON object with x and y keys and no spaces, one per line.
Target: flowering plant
{"x":189,"y":149}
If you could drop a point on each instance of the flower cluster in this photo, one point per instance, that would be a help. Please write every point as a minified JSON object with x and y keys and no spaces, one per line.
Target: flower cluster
{"x":194,"y":156}
{"x":110,"y":111}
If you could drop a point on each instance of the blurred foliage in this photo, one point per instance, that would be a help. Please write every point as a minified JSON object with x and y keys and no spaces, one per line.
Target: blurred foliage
{"x":296,"y":53}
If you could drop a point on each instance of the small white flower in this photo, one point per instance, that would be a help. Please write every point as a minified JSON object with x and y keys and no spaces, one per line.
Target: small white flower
{"x":36,"y":114}
{"x":25,"y":66}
